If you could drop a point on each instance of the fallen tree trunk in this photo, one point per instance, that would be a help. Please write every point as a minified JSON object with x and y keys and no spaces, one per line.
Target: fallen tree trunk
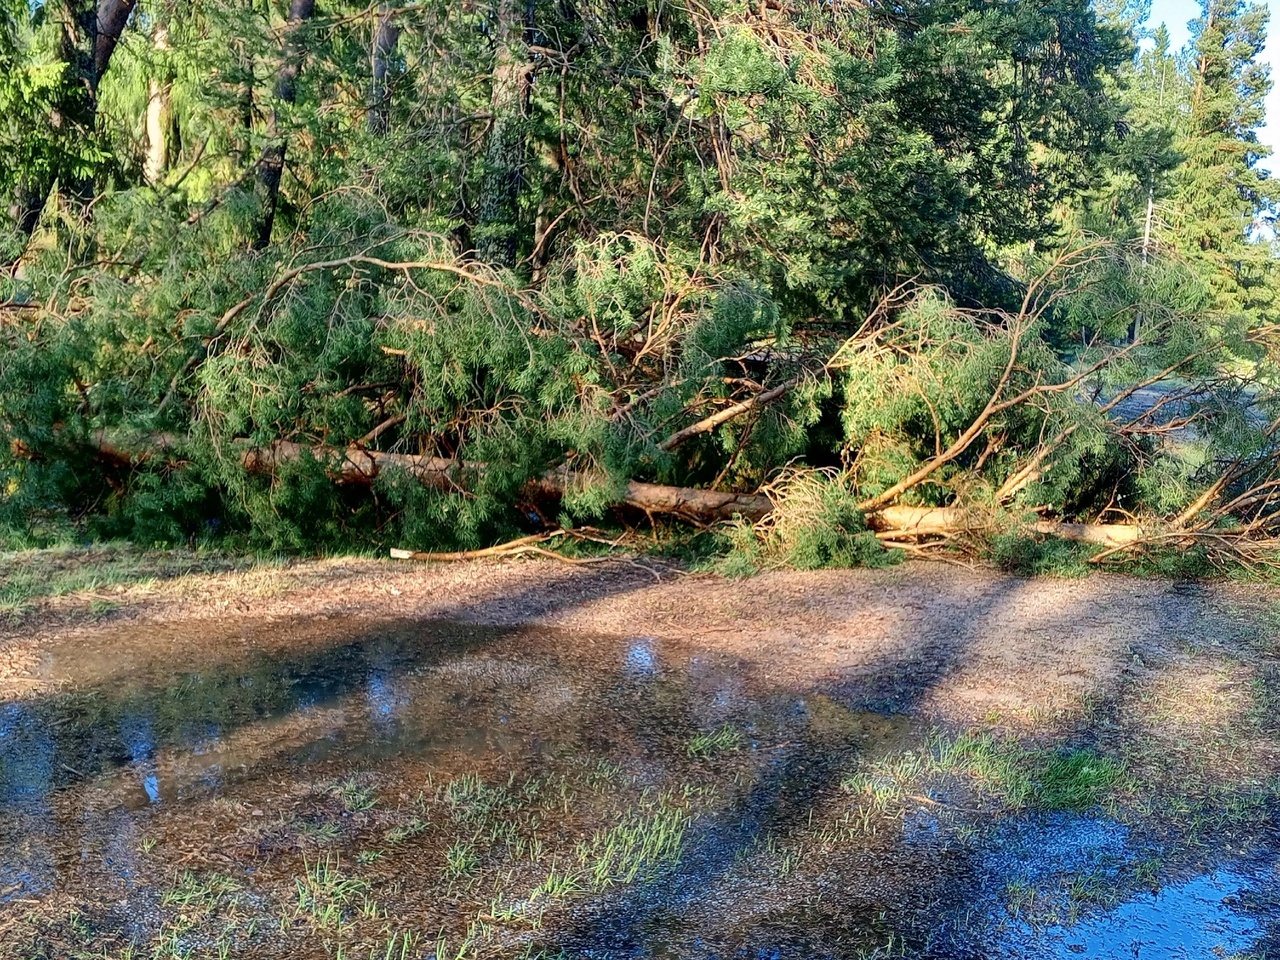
{"x":361,"y":467}
{"x":923,"y":522}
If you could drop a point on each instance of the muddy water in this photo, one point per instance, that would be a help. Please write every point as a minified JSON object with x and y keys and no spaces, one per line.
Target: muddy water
{"x":413,"y":790}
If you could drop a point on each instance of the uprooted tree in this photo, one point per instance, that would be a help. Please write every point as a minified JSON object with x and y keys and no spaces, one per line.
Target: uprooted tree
{"x":773,"y":265}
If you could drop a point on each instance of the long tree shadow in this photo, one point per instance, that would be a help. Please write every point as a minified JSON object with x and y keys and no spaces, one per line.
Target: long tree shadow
{"x":692,"y":910}
{"x":125,"y":717}
{"x":775,"y":806}
{"x":125,"y":727}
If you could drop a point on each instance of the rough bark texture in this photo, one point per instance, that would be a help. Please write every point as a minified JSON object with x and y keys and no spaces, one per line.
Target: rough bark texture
{"x":271,"y":164}
{"x":362,"y":467}
{"x":89,"y":36}
{"x":159,"y":116}
{"x":112,"y":17}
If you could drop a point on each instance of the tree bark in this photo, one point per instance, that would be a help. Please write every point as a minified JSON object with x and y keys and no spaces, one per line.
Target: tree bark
{"x":386,"y":34}
{"x":112,"y":17}
{"x":271,"y":164}
{"x":159,"y":116}
{"x":90,"y":33}
{"x":358,"y":467}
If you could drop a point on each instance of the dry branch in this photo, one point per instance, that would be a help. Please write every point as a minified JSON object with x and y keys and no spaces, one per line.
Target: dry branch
{"x":729,"y":413}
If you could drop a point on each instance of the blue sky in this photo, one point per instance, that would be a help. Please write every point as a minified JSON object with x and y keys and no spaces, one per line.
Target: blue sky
{"x":1176,"y":13}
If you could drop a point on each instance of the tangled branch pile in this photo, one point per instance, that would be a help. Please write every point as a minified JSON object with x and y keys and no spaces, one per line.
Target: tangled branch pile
{"x":437,"y":276}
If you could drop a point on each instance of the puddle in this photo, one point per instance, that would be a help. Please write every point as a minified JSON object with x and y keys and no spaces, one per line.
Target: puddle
{"x":1212,"y":915}
{"x":1065,"y":886}
{"x":489,"y":792}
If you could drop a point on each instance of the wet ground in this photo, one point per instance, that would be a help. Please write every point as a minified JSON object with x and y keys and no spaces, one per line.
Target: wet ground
{"x":427,"y":779}
{"x":426,"y":788}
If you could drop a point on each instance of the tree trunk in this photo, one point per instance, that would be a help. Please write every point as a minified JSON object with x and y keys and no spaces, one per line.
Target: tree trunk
{"x":159,"y":117}
{"x":271,"y":164}
{"x":90,"y":34}
{"x":359,"y":467}
{"x":506,"y":151}
{"x":112,"y":16}
{"x":386,"y":34}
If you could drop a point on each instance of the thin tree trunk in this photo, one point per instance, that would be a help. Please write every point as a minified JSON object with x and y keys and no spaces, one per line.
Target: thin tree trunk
{"x":271,"y":164}
{"x":506,"y":152}
{"x":159,"y":118}
{"x":386,"y":34}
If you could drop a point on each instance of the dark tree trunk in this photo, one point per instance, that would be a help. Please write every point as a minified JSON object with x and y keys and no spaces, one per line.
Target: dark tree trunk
{"x":386,"y":34}
{"x":271,"y":164}
{"x":112,"y":17}
{"x":506,"y":152}
{"x":90,"y":33}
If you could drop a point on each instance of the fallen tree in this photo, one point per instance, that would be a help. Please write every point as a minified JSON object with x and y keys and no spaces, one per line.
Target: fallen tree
{"x":358,"y":466}
{"x":953,"y":427}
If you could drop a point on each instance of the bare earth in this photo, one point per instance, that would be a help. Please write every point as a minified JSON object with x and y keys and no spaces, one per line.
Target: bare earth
{"x":339,"y":758}
{"x":940,"y":640}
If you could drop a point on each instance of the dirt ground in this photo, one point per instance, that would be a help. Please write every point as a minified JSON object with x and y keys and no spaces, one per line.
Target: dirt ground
{"x":214,"y":757}
{"x":943,"y":640}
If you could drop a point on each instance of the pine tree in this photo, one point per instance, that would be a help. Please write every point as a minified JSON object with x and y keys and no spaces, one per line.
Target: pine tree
{"x":1220,"y":190}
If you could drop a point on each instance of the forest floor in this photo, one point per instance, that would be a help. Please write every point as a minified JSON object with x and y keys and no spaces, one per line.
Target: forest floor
{"x":202,"y":756}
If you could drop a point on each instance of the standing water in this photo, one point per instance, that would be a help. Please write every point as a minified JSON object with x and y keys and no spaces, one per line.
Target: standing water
{"x":444,"y":790}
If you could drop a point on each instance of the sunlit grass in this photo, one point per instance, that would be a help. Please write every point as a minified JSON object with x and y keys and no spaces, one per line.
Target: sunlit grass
{"x":1016,"y":775}
{"x":724,"y":739}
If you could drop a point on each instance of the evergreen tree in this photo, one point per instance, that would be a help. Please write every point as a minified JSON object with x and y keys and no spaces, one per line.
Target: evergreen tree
{"x":1220,"y":191}
{"x":1138,"y":170}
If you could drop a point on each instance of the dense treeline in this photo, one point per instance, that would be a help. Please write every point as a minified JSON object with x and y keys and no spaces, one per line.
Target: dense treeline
{"x":829,"y":259}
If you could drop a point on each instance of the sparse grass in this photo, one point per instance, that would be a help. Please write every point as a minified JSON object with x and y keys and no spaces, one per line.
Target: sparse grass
{"x":355,"y":796}
{"x":403,"y":831}
{"x":998,"y":765}
{"x":1146,"y":872}
{"x":399,"y":945}
{"x":557,"y":885}
{"x":105,"y":574}
{"x":199,"y":892}
{"x":725,"y":739}
{"x":326,"y":831}
{"x":460,"y":860}
{"x":326,"y":894}
{"x":645,"y":841}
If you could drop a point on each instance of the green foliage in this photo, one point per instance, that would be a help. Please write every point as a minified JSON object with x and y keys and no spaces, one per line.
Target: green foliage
{"x":1219,"y":190}
{"x":1049,"y":779}
{"x":1022,"y":553}
{"x":815,"y":524}
{"x":569,"y":238}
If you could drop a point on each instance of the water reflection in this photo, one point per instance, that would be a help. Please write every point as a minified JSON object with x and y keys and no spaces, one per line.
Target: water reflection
{"x":85,"y":777}
{"x":1204,"y":917}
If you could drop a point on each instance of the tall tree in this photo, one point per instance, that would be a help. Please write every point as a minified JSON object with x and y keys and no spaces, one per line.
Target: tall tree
{"x":271,"y":164}
{"x":159,"y":120}
{"x":88,"y":32}
{"x":1220,"y":190}
{"x":506,"y":149}
{"x":386,"y":35}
